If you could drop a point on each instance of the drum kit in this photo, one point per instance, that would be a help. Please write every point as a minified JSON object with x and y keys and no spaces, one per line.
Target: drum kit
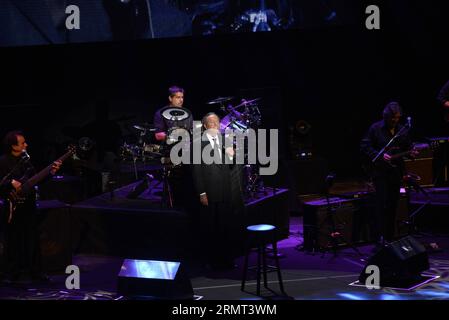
{"x":142,"y":150}
{"x":241,"y":117}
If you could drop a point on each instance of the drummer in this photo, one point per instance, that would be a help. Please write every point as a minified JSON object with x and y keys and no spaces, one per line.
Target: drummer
{"x":163,"y":123}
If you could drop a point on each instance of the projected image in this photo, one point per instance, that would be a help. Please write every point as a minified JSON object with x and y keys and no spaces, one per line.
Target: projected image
{"x":230,"y":16}
{"x":40,"y":22}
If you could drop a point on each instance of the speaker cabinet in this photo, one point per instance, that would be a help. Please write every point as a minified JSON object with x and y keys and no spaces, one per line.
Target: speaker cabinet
{"x":400,"y":263}
{"x":422,"y":167}
{"x":320,"y":221}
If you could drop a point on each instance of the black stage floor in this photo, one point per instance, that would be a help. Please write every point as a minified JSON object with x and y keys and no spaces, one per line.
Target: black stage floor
{"x":307,"y":276}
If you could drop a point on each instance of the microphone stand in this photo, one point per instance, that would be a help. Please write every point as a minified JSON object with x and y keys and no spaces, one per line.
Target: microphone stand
{"x":399,"y":133}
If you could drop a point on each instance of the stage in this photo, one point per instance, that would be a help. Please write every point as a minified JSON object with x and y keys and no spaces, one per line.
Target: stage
{"x":111,"y":224}
{"x":306,"y":276}
{"x":97,"y":234}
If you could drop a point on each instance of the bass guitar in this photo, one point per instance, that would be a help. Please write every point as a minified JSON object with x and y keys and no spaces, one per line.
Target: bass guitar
{"x":16,"y":197}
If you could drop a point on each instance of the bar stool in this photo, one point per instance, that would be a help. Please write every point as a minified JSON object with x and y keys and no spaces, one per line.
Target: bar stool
{"x":258,"y":236}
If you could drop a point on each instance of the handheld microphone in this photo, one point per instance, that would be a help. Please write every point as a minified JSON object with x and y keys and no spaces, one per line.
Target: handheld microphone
{"x":409,"y":122}
{"x":25,"y":155}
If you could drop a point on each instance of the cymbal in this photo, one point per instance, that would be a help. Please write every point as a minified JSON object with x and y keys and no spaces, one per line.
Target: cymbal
{"x":144,"y":127}
{"x":246,"y":102}
{"x":220,"y":100}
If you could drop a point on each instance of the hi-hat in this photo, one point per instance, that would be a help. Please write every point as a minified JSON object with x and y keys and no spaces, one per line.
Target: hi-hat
{"x":220,"y":100}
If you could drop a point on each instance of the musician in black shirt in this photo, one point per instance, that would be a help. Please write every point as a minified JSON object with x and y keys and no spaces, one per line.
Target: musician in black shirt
{"x":166,"y":120}
{"x":387,"y":172}
{"x":18,"y":217}
{"x":162,"y":124}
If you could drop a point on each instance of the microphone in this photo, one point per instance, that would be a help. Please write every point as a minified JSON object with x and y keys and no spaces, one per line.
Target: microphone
{"x":409,"y":122}
{"x":25,"y":155}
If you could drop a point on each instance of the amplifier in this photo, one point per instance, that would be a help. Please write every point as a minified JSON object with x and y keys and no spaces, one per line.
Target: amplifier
{"x":320,"y":222}
{"x":352,"y":218}
{"x":423,"y":167}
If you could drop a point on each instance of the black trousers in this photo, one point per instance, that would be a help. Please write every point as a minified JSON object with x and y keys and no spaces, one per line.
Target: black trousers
{"x":21,"y":256}
{"x":220,"y":233}
{"x":388,"y":185}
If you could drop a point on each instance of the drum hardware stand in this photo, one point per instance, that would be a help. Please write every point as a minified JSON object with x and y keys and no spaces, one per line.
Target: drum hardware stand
{"x":412,"y":183}
{"x":167,"y":196}
{"x":135,"y":167}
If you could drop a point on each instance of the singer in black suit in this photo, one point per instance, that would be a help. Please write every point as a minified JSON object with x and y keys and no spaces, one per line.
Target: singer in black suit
{"x":387,"y":173}
{"x":219,"y":191}
{"x":21,"y":256}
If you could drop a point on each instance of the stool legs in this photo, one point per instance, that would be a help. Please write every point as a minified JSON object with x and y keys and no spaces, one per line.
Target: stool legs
{"x":245,"y":267}
{"x":262,"y":266}
{"x":278,"y":269}
{"x":264,"y":257}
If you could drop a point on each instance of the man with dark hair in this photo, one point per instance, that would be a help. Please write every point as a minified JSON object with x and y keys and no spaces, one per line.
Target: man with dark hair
{"x":167,"y":119}
{"x":162,"y":124}
{"x":21,"y":247}
{"x":219,"y":192}
{"x":387,"y":170}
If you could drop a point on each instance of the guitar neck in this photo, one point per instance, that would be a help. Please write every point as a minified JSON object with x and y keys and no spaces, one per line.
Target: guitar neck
{"x":418,"y":147}
{"x":41,"y":175}
{"x":400,"y":155}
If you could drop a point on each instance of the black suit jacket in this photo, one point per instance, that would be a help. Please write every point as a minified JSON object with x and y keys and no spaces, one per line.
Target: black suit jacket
{"x":221,"y":182}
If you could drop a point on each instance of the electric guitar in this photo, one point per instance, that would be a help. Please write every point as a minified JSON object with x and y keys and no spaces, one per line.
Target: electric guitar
{"x":381,"y":163}
{"x":399,"y":155}
{"x":16,"y":197}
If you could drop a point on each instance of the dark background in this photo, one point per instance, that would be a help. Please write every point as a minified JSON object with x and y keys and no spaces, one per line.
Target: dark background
{"x":336,"y":78}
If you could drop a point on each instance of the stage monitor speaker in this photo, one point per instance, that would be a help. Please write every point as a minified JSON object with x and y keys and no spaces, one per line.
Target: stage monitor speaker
{"x":400,"y":263}
{"x":154,"y":280}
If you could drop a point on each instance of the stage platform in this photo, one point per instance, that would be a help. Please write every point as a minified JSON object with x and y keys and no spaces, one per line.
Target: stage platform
{"x":306,"y":277}
{"x":144,"y":227}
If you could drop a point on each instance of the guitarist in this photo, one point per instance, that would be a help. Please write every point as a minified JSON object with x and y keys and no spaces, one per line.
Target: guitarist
{"x":21,"y":247}
{"x":387,"y":172}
